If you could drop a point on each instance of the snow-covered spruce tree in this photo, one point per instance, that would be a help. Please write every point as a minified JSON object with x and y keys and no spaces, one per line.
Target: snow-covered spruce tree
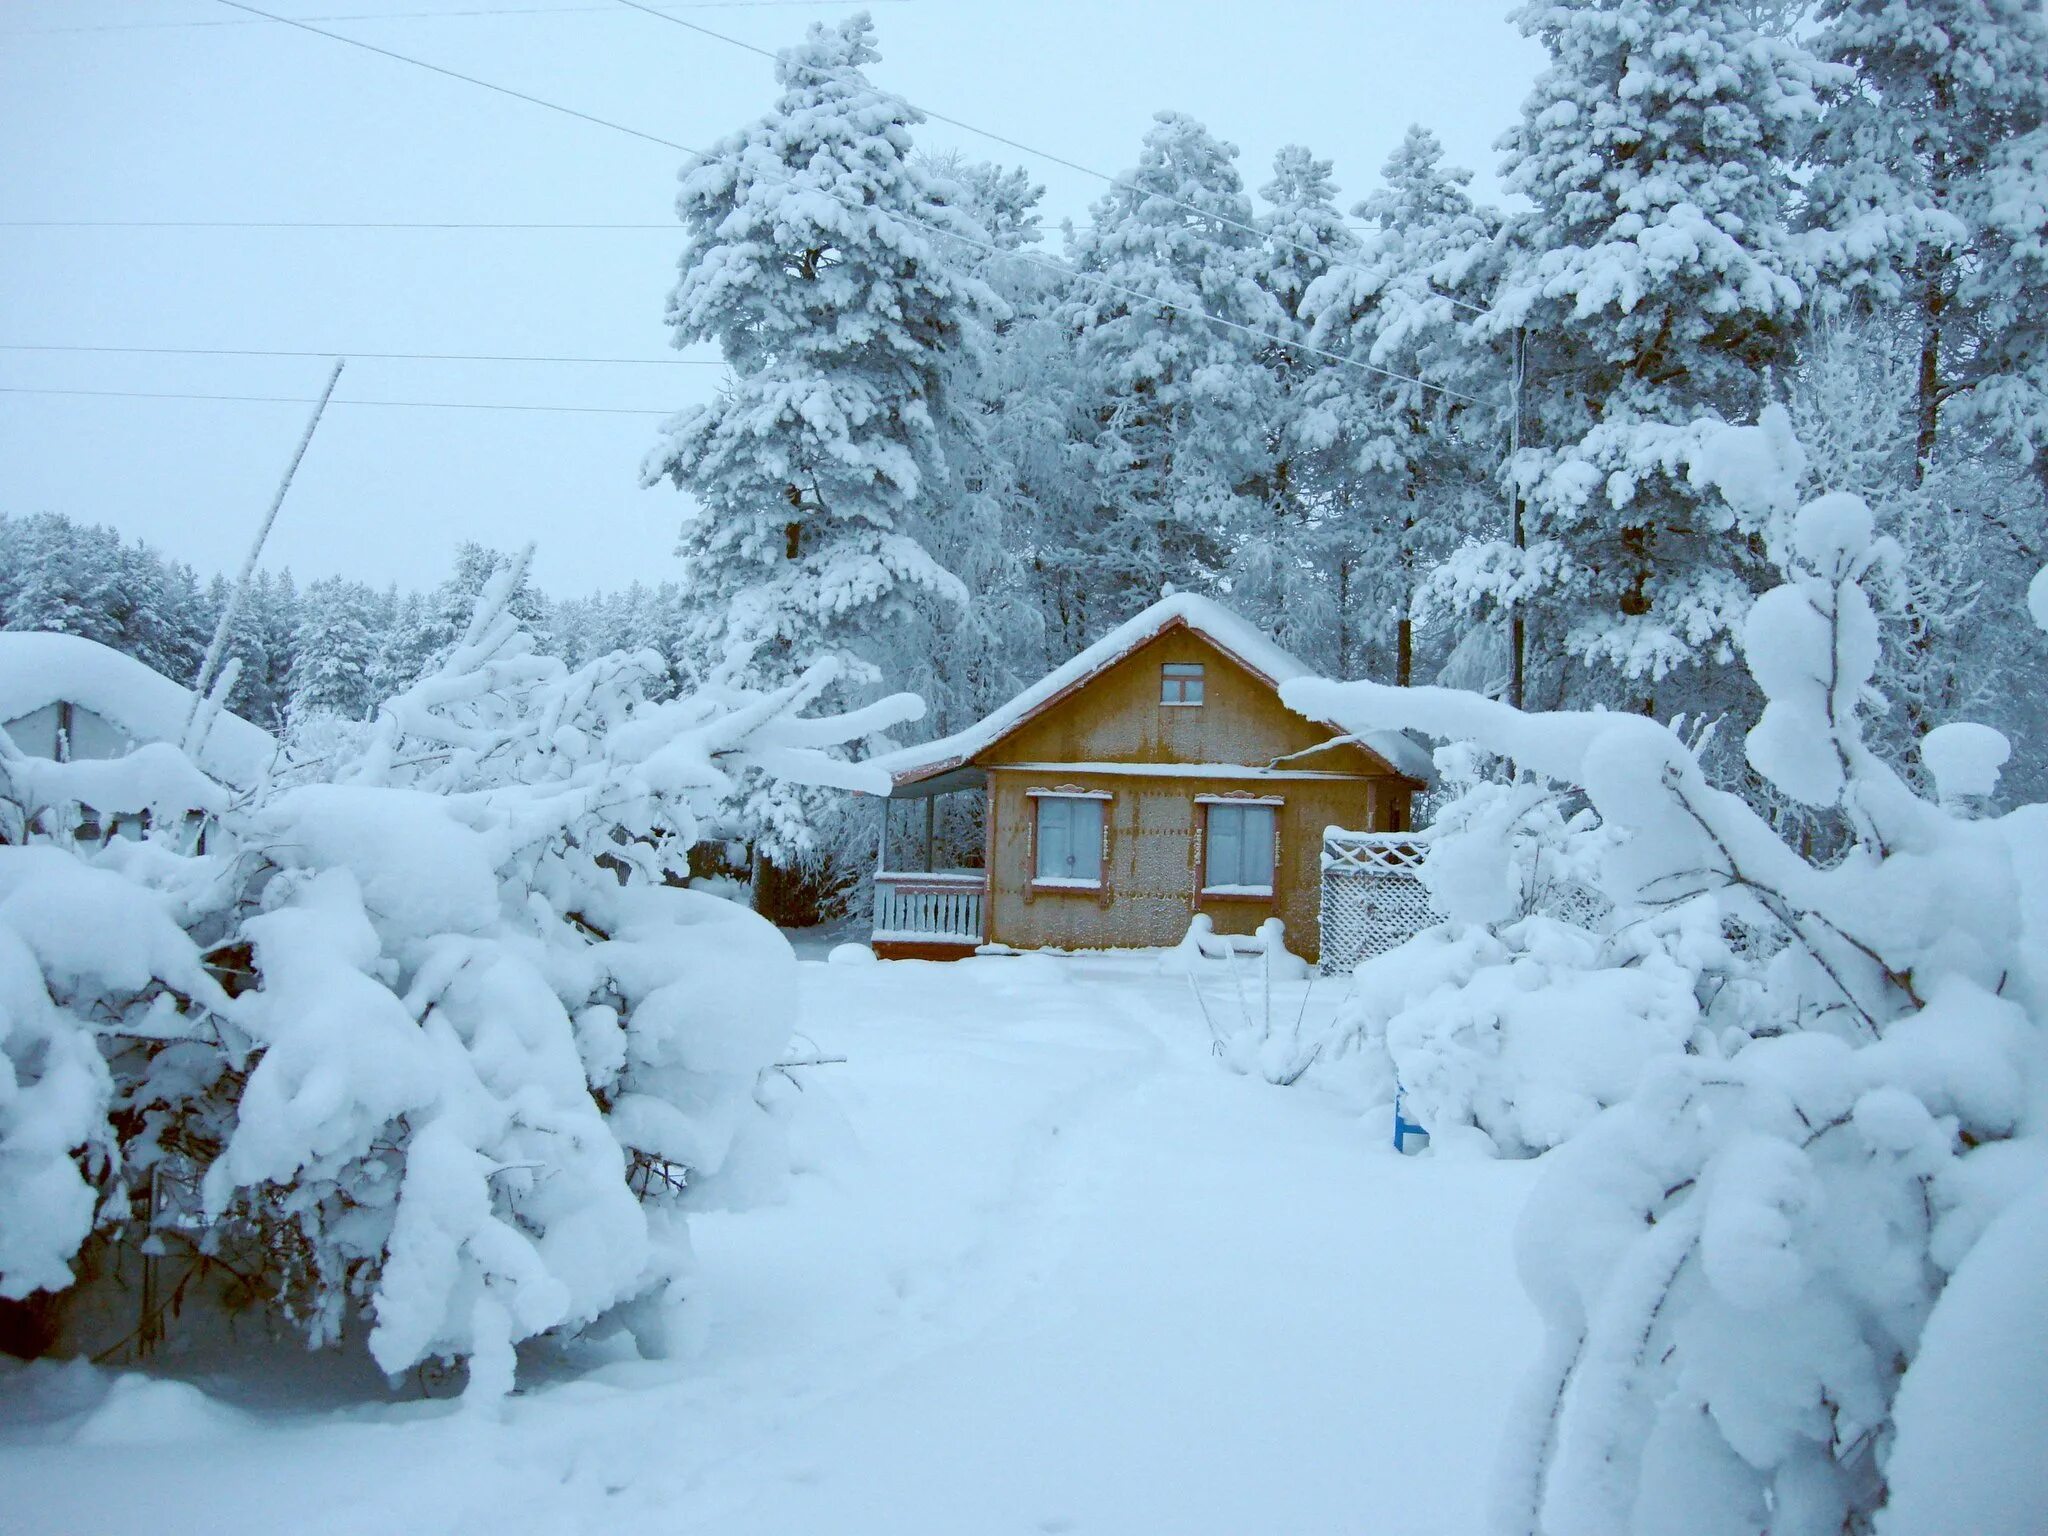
{"x":333,"y":650}
{"x":1178,"y":407}
{"x":1289,"y":569}
{"x":478,"y":1060}
{"x":1791,"y":1280}
{"x":61,"y":578}
{"x":1968,"y":522}
{"x":846,"y":326}
{"x":1928,"y":203}
{"x":1655,"y":271}
{"x":1026,"y":468}
{"x":963,"y":661}
{"x":1404,"y":464}
{"x":821,"y":260}
{"x":260,"y":638}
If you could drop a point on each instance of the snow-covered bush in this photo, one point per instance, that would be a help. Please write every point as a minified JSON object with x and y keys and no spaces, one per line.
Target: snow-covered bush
{"x":1748,"y":1259}
{"x":422,"y":1035}
{"x":1525,"y":1012}
{"x":1523,"y":1032}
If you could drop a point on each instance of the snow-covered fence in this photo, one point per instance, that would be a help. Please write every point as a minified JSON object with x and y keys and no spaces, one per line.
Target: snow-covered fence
{"x":940,"y":907}
{"x":1372,"y":897}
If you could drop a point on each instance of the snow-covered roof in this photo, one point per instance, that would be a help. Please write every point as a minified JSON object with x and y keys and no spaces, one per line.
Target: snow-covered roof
{"x":38,"y":670}
{"x":1231,"y":633}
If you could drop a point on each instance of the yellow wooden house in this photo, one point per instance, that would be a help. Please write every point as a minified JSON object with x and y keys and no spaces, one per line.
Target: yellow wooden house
{"x":1154,"y":776}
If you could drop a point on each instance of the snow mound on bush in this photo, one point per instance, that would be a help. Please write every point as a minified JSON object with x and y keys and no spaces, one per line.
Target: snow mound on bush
{"x":1524,"y":1034}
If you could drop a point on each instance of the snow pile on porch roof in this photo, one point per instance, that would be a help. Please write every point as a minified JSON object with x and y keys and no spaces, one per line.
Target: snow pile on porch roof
{"x":38,"y":670}
{"x":1230,"y":632}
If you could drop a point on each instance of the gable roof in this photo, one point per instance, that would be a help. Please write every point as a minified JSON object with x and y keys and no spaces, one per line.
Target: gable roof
{"x":1229,"y":632}
{"x":38,"y":670}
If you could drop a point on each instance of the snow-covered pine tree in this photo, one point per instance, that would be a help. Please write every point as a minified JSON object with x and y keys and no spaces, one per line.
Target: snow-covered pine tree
{"x":1026,"y":494}
{"x":333,"y":650}
{"x":72,"y":578}
{"x":399,"y":620}
{"x":1929,"y":200}
{"x":159,"y":613}
{"x":250,"y":641}
{"x":1405,"y":460}
{"x":63,"y":579}
{"x":445,"y":611}
{"x":817,"y":260}
{"x":1179,"y":406}
{"x":981,"y":526}
{"x":276,"y":600}
{"x":1288,"y":568}
{"x":1969,"y":524}
{"x":1655,"y":273}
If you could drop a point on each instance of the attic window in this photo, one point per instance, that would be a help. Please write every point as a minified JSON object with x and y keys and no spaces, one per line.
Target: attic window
{"x":1180,"y":682}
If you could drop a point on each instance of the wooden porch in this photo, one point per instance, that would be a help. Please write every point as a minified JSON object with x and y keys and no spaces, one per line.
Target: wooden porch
{"x":923,"y":912}
{"x":930,"y":914}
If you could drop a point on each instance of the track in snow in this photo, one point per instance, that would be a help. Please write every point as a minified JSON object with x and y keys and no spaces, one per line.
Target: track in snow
{"x":1058,"y":1271}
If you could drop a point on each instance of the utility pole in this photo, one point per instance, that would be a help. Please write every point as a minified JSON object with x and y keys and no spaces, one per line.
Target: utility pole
{"x":1518,"y":633}
{"x":210,"y":667}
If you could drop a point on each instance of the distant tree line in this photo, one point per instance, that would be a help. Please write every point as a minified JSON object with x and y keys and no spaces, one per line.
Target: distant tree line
{"x":331,"y":647}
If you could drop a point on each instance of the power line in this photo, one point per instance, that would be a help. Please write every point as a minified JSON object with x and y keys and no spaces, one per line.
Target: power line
{"x":668,"y":228}
{"x":352,"y":352}
{"x":1064,"y":273}
{"x":456,"y":74}
{"x":417,"y":405}
{"x":513,"y":10}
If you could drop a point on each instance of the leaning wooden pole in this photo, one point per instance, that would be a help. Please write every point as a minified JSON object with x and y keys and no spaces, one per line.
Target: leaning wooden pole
{"x":211,"y":665}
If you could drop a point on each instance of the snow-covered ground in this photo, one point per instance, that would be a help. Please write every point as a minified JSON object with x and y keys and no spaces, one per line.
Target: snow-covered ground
{"x":1053,"y":1269}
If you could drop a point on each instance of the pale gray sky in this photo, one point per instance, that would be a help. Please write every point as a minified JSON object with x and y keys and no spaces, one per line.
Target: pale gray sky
{"x":186,"y":110}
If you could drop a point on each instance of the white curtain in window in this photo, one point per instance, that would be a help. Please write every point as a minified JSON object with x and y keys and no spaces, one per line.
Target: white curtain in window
{"x":1069,"y":839}
{"x":1240,"y":852}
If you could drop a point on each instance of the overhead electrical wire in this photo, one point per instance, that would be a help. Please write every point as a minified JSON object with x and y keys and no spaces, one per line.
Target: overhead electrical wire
{"x":417,"y":405}
{"x":354,"y":353}
{"x":508,"y":10}
{"x":456,"y":74}
{"x":1063,"y":272}
{"x":668,"y":228}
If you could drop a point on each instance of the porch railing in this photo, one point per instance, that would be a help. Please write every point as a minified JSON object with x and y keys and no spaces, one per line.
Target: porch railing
{"x":940,"y":907}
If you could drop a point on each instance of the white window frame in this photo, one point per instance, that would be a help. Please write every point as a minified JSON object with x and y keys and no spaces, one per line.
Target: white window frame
{"x":1175,"y":680}
{"x":1238,"y":804}
{"x":1068,"y":796}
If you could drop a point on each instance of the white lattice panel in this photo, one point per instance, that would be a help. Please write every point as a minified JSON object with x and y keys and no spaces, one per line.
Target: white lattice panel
{"x":1576,"y":903}
{"x":1373,"y":898}
{"x":1368,"y":914}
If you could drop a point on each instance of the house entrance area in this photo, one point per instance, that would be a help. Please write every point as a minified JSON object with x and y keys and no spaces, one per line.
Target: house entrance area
{"x":923,"y":910}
